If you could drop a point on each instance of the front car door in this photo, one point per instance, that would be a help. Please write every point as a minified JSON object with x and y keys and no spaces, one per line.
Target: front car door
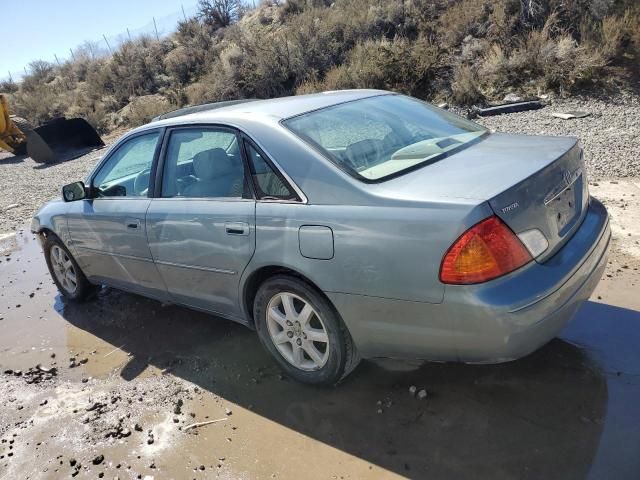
{"x":201,"y":225}
{"x":108,"y":232}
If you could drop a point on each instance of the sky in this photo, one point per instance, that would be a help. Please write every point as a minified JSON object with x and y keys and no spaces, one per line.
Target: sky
{"x":38,"y":29}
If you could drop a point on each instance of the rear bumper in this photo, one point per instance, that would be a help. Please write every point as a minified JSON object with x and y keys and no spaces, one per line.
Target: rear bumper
{"x":515,"y":315}
{"x":498,"y":321}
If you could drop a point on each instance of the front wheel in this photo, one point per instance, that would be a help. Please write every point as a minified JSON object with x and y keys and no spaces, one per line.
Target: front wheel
{"x":303,"y":332}
{"x":64,"y":270}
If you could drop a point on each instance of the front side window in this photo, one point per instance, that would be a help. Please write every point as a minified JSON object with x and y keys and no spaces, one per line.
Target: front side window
{"x":380,"y":136}
{"x":127,"y":171}
{"x":203,"y":163}
{"x":269,"y":185}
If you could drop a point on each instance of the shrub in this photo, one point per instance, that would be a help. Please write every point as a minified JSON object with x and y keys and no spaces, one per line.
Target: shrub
{"x":219,"y":13}
{"x":142,"y":109}
{"x":468,"y":51}
{"x":399,"y":65}
{"x":8,"y":86}
{"x":464,"y":88}
{"x":617,"y":33}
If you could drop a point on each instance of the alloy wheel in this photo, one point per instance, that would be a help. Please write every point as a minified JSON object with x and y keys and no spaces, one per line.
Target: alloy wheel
{"x":63,"y":269}
{"x":297,"y":331}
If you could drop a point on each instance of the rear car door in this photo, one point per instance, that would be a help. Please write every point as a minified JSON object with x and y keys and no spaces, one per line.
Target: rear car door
{"x":201,"y":225}
{"x":108,"y":232}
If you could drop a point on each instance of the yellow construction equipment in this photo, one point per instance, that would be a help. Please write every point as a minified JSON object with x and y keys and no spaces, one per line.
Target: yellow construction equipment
{"x":57,"y":140}
{"x":12,"y":139}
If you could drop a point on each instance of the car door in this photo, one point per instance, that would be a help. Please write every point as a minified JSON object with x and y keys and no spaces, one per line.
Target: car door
{"x":108,"y":231}
{"x":201,"y":226}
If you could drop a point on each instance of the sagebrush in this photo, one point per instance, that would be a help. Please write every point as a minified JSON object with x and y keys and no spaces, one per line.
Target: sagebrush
{"x":462,"y":51}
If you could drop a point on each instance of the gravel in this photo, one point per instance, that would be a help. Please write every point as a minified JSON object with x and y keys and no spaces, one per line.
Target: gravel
{"x":610,"y":136}
{"x":25,"y":185}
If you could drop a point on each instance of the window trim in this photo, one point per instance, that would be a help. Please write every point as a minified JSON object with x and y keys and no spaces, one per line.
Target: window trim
{"x":241,"y":136}
{"x":114,"y":149}
{"x":198,"y":126}
{"x":246,"y":141}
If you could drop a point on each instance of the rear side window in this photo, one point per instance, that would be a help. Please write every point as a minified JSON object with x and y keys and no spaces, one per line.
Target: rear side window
{"x":269,"y":185}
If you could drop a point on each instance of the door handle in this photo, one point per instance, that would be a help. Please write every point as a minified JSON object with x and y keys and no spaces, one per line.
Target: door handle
{"x":132,"y":222}
{"x":236,"y":228}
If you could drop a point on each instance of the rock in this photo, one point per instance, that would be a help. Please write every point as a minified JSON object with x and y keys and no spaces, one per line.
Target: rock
{"x":512,"y":97}
{"x":413,"y":389}
{"x":228,"y":412}
{"x":83,"y":361}
{"x":72,"y":462}
{"x":98,"y":460}
{"x":422,"y":394}
{"x":137,"y":427}
{"x":52,"y":370}
{"x":93,"y":407}
{"x":570,"y":115}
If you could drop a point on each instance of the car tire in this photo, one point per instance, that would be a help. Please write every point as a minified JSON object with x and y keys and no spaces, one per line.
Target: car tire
{"x":64,"y":270}
{"x":288,"y":332}
{"x":24,"y":126}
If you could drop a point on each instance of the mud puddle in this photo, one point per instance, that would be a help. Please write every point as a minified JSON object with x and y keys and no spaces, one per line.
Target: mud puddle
{"x":132,"y":376}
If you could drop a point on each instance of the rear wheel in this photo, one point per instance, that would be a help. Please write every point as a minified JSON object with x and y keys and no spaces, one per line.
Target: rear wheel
{"x":22,"y":123}
{"x":303,"y":332}
{"x":65,"y":271}
{"x":25,"y":127}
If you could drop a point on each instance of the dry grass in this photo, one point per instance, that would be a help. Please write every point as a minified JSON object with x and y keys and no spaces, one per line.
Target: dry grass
{"x":464,"y":50}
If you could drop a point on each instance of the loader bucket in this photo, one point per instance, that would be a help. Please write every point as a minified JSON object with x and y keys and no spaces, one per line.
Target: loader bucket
{"x":62,"y":139}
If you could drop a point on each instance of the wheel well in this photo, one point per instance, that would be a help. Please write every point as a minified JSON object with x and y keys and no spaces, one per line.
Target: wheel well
{"x":258,"y":277}
{"x":45,"y":232}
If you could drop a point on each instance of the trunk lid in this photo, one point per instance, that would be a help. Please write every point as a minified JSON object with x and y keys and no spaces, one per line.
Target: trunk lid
{"x":529,"y":182}
{"x":554,"y":200}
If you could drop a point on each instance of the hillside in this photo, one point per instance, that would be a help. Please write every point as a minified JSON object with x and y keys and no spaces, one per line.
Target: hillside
{"x":464,"y":51}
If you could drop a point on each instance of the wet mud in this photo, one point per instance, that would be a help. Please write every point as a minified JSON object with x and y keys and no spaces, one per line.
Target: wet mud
{"x":132,"y":376}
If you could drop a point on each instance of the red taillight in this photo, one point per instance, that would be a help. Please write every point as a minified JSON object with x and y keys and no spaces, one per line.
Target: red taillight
{"x":487,"y":250}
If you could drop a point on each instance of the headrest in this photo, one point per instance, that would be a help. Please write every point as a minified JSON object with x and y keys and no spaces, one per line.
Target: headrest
{"x":213,"y":163}
{"x":363,"y":153}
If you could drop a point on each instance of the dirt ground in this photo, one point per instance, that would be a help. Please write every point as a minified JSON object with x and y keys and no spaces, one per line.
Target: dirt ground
{"x":108,"y":389}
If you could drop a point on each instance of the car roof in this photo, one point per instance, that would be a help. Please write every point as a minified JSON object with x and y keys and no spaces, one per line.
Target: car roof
{"x":275,"y":109}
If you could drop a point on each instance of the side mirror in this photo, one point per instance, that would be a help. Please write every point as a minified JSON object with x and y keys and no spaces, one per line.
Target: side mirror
{"x":74,"y":191}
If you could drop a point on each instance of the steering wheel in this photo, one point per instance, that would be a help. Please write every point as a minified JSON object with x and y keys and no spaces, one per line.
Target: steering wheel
{"x":141,"y":182}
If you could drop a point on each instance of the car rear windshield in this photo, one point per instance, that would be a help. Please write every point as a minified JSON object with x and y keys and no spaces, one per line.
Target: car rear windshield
{"x":383,"y":136}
